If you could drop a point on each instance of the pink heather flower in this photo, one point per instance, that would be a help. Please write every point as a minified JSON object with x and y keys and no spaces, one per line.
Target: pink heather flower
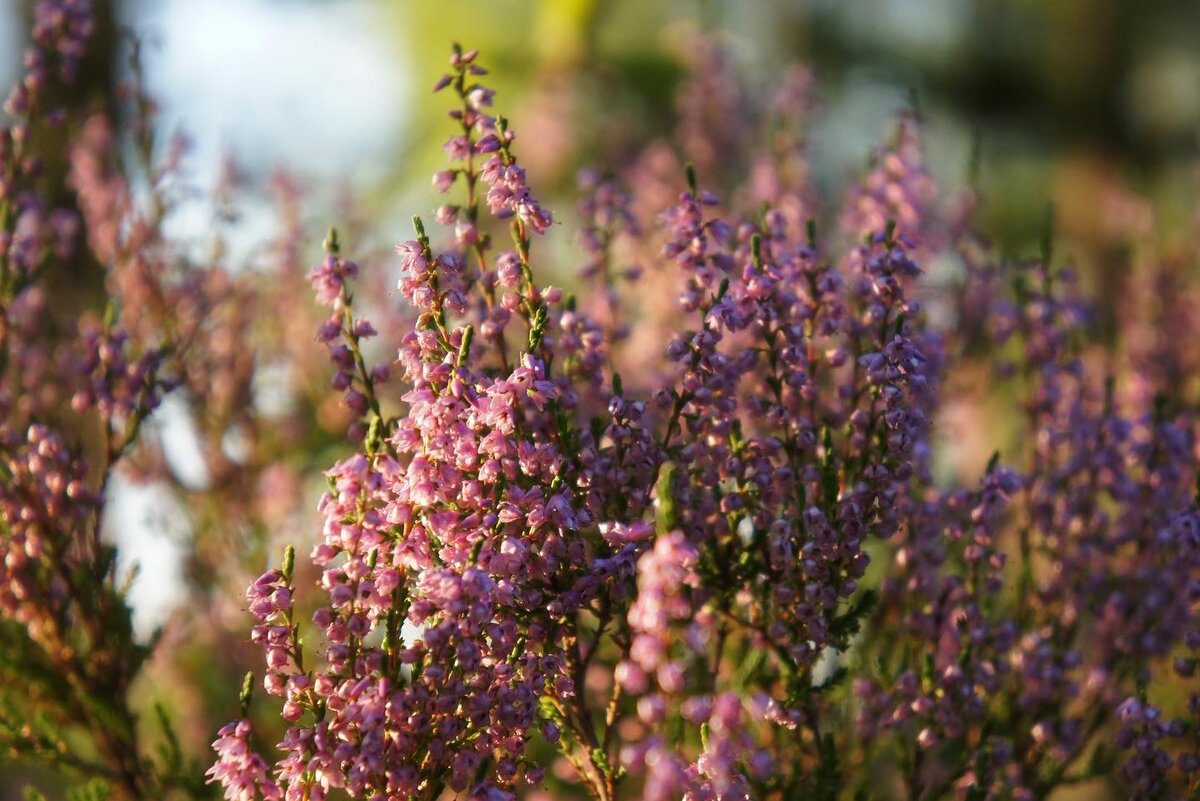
{"x":444,"y":179}
{"x":330,"y":277}
{"x":242,"y":773}
{"x":509,"y":195}
{"x":457,"y":148}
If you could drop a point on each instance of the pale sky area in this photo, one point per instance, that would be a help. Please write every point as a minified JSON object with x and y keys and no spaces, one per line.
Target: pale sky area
{"x":312,"y":84}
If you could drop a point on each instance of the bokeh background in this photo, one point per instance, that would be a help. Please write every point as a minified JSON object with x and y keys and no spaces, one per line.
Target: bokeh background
{"x":1062,"y":97}
{"x":1091,"y":105}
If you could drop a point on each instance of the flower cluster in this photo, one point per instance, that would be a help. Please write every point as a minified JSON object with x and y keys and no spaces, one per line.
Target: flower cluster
{"x":534,"y":570}
{"x":61,"y":29}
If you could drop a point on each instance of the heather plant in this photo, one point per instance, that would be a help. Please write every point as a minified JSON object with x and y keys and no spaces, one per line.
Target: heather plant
{"x":69,"y":654}
{"x":669,"y":593}
{"x":687,"y":528}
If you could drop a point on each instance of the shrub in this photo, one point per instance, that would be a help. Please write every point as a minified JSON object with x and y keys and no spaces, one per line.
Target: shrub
{"x":688,"y":531}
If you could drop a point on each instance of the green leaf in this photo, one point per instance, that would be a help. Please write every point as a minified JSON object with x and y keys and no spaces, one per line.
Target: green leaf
{"x":538,"y":329}
{"x":666,"y":515}
{"x":289,"y":560}
{"x":844,"y":627}
{"x":600,"y":758}
{"x":32,"y":793}
{"x":331,"y":245}
{"x":464,"y":349}
{"x":750,"y":666}
{"x":247,"y":692}
{"x":171,"y":753}
{"x":92,"y":790}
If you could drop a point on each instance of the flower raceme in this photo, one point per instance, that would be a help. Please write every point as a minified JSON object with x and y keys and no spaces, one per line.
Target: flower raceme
{"x":738,"y":578}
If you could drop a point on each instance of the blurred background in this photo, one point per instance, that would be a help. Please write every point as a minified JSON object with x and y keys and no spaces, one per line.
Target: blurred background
{"x":1092,"y":105}
{"x":1061,"y":97}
